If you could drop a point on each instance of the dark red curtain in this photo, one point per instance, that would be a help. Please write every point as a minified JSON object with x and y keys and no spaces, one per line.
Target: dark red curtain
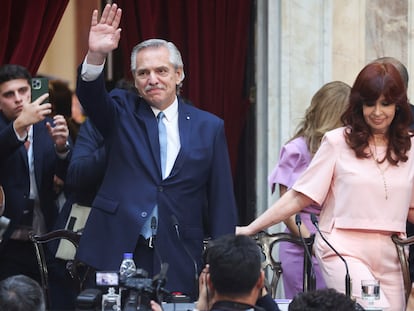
{"x":212,"y":36}
{"x":27,"y":28}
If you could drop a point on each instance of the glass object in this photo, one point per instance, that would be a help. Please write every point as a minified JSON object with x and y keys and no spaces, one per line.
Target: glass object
{"x":370,"y":291}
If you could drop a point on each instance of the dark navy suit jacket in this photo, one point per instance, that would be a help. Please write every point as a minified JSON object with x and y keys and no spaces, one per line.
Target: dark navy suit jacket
{"x":14,"y":172}
{"x":87,"y":166}
{"x":198,"y":191}
{"x":85,"y":172}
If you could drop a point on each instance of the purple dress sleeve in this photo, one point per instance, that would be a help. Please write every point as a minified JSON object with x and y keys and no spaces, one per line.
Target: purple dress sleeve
{"x":293,"y":160}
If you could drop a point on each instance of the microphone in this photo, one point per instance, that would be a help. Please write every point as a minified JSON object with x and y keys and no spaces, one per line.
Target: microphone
{"x":159,"y":281}
{"x":347,"y":276}
{"x":177,"y":231}
{"x":152,"y":240}
{"x":312,"y":282}
{"x":153,"y":231}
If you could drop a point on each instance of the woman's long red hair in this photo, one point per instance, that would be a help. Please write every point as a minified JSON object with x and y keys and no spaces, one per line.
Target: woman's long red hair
{"x":374,"y":80}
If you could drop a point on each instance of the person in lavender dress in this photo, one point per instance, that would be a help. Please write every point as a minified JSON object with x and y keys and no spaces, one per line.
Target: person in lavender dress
{"x":362,"y":176}
{"x":324,"y":114}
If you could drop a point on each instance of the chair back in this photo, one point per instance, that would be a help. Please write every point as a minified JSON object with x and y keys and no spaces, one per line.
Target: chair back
{"x":267,"y":242}
{"x":1,"y":200}
{"x":39,"y":240}
{"x":401,"y":246}
{"x":4,"y":221}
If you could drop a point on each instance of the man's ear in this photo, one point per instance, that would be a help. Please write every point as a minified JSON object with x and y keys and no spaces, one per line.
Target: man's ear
{"x":180,"y":76}
{"x":261,"y":280}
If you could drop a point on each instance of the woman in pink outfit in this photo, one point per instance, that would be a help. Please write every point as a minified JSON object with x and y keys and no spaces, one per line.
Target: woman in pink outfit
{"x":362,"y":176}
{"x":323,"y":114}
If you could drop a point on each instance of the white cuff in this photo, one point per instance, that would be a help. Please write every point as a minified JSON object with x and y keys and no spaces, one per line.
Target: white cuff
{"x":91,"y":72}
{"x":22,"y":139}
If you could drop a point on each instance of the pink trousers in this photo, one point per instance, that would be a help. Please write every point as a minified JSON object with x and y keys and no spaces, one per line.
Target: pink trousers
{"x":369,"y":255}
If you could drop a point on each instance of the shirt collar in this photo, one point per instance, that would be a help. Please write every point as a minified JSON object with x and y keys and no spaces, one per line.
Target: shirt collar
{"x":170,"y":112}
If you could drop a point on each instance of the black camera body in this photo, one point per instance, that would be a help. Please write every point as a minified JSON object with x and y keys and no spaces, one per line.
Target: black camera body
{"x":137,"y":290}
{"x":89,"y":300}
{"x":140,"y":291}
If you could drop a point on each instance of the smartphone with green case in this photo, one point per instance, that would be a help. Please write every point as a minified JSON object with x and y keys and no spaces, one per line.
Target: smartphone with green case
{"x":39,"y":87}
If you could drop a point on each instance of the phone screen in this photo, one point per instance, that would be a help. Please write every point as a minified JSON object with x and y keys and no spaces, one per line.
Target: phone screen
{"x":39,"y":87}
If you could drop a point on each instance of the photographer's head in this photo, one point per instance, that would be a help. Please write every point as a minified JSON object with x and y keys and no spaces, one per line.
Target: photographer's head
{"x":323,"y":300}
{"x":234,"y":268}
{"x":21,"y":293}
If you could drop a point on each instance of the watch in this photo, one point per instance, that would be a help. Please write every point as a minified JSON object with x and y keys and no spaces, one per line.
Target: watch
{"x":65,"y":149}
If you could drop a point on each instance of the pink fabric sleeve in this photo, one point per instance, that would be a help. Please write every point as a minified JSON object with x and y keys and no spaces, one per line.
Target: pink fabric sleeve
{"x":315,"y":182}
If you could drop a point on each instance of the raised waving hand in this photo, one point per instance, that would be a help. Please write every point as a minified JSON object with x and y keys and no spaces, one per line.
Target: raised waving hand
{"x":104,"y":34}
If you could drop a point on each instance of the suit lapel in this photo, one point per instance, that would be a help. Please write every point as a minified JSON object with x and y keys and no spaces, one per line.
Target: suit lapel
{"x":24,"y":155}
{"x":146,"y":116}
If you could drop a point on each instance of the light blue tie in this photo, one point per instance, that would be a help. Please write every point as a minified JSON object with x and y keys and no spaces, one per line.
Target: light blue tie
{"x":146,"y":231}
{"x":162,"y":135}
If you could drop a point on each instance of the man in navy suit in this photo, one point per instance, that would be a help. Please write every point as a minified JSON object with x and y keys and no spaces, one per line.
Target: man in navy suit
{"x":160,"y":216}
{"x":34,"y":155}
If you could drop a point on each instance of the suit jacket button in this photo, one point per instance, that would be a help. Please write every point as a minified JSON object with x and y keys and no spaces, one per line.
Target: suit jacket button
{"x":144,"y":214}
{"x":160,"y":188}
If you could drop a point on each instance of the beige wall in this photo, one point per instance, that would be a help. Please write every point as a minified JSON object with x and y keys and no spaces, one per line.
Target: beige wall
{"x":59,"y":60}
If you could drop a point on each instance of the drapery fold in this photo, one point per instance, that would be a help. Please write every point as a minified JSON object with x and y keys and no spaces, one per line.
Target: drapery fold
{"x":212,"y":36}
{"x":27,"y":28}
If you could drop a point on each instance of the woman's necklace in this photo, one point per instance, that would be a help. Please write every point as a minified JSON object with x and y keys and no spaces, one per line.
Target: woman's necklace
{"x":382,"y":171}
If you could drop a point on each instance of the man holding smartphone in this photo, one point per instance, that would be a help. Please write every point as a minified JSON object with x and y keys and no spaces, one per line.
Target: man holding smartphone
{"x":34,"y":153}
